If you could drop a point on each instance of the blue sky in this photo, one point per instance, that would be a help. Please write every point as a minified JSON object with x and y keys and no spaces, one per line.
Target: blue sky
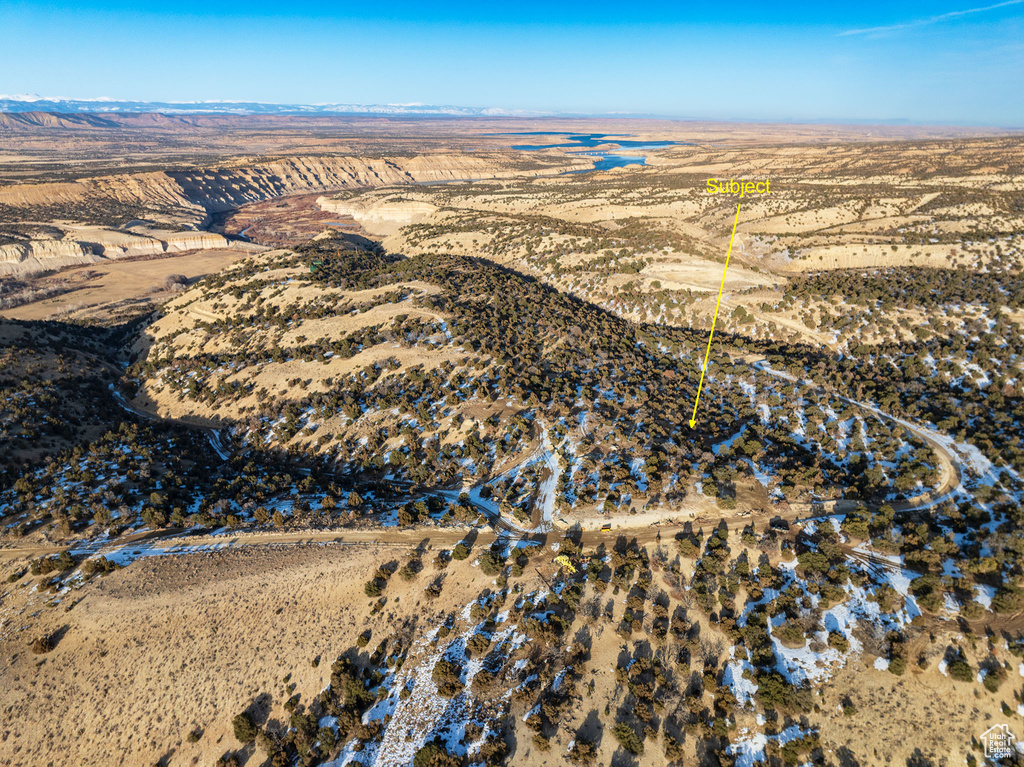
{"x":926,"y":62}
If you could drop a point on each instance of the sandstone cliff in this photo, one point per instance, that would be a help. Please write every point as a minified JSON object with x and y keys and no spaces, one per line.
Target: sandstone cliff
{"x":188,"y":198}
{"x":23,"y":258}
{"x":219,"y":189}
{"x":380,"y":216}
{"x":93,"y":245}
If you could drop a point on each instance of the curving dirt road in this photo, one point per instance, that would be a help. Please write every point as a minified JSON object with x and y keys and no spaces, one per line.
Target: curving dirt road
{"x":212,"y":435}
{"x":951,"y":469}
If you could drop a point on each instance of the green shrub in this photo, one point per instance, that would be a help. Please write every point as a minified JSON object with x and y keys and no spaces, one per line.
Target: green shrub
{"x":628,"y":739}
{"x":1008,"y":600}
{"x":687,"y":548}
{"x":494,"y":750}
{"x":777,"y":693}
{"x":960,"y":670}
{"x":993,"y":679}
{"x":491,"y":563}
{"x":446,"y":676}
{"x":583,"y":752}
{"x":928,"y":590}
{"x":101,"y":565}
{"x":409,"y":570}
{"x":245,"y":728}
{"x":856,"y":524}
{"x":838,"y":641}
{"x":791,"y":634}
{"x":889,"y":599}
{"x":478,"y":644}
{"x":435,"y":755}
{"x":971,"y":610}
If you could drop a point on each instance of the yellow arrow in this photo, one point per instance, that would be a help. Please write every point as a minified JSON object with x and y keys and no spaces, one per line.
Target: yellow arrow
{"x":704,"y":369}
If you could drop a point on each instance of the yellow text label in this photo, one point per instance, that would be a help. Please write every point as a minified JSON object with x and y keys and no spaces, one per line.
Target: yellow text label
{"x":740,"y":187}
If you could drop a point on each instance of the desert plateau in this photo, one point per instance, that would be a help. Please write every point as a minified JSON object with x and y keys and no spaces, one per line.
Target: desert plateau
{"x":665,"y":408}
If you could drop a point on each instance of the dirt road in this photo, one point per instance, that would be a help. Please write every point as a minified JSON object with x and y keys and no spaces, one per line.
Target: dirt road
{"x":178,"y":541}
{"x":951,"y":470}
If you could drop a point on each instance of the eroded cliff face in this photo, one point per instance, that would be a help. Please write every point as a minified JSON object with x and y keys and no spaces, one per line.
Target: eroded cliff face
{"x":186,"y":199}
{"x":382,"y":217}
{"x":86,"y":247}
{"x":215,"y":190}
{"x":22,"y":258}
{"x":179,"y":242}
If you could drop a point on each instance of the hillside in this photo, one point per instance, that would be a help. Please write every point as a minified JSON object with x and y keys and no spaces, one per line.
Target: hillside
{"x":648,"y":243}
{"x":456,"y":368}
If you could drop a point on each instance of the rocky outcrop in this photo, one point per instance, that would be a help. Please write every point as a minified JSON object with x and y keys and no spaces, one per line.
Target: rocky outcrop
{"x":117,"y":244}
{"x":220,"y":189}
{"x":22,"y":251}
{"x":111,"y":243}
{"x":182,"y":241}
{"x":188,"y":198}
{"x":25,"y":258}
{"x":380,"y":216}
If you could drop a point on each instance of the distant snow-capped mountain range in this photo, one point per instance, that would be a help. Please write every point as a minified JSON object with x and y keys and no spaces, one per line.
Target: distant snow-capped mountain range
{"x":31,"y":103}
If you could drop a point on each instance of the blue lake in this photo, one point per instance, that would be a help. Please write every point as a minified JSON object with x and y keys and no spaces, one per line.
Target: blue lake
{"x":604,"y":159}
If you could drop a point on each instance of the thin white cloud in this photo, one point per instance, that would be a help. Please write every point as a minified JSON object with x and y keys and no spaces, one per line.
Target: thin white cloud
{"x":929,"y":20}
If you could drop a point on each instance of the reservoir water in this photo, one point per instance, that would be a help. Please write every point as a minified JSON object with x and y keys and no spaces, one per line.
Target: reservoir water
{"x":604,"y":158}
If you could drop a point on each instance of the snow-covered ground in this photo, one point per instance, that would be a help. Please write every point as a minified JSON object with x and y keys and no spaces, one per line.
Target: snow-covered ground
{"x":546,"y":491}
{"x":742,"y":688}
{"x":749,"y":748}
{"x":425,"y":714}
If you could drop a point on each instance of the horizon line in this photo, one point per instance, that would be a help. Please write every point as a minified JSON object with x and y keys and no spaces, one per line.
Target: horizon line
{"x":411,"y":109}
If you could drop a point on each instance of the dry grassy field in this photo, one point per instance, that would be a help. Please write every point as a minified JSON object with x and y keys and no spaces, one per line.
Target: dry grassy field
{"x":110,"y":289}
{"x":168,"y":645}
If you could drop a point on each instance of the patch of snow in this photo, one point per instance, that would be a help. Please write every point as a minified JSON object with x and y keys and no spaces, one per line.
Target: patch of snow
{"x":716,"y":449}
{"x":750,"y":747}
{"x":743,"y":689}
{"x":984,"y":595}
